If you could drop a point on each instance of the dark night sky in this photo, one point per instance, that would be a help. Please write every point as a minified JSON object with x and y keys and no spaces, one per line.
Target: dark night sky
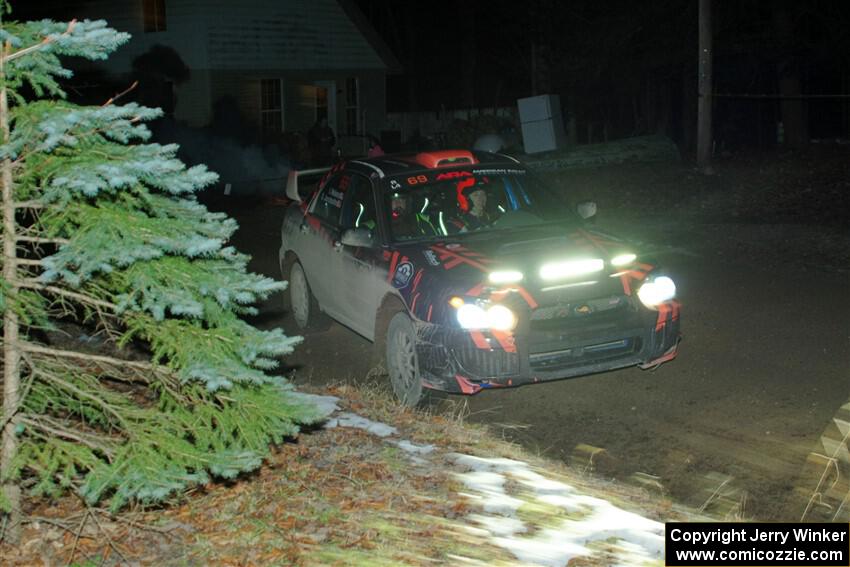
{"x":630,"y":64}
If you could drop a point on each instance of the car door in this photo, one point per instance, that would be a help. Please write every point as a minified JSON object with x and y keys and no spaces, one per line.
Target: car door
{"x":364,"y":287}
{"x":320,"y":254}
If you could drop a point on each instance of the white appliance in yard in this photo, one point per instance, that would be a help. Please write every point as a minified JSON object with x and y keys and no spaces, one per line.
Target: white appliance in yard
{"x":541,"y":123}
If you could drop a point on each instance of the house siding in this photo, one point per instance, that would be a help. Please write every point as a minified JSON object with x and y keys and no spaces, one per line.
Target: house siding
{"x":194,"y":103}
{"x":291,"y":35}
{"x":186,"y":24}
{"x":230,"y":46}
{"x":244,"y":87}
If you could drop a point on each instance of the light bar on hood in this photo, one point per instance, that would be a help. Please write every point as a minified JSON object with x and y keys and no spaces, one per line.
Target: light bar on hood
{"x":505,"y":276}
{"x":570,"y":268}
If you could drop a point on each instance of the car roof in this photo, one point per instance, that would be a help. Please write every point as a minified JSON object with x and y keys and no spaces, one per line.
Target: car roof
{"x":407,"y":163}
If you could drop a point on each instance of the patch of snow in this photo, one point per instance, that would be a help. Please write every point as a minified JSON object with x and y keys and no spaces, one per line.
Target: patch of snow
{"x":484,"y":464}
{"x":499,"y":526}
{"x":490,"y":486}
{"x":566,"y":502}
{"x":484,"y":481}
{"x":632,"y":538}
{"x":347,"y":419}
{"x":546,"y":548}
{"x":325,"y":404}
{"x":406,"y":445}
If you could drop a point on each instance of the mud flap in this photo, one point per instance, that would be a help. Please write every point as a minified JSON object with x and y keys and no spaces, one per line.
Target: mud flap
{"x":669,"y":354}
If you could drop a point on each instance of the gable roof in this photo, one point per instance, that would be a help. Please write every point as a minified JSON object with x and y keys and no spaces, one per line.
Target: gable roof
{"x":291,"y":34}
{"x":360,"y":20}
{"x":256,"y":35}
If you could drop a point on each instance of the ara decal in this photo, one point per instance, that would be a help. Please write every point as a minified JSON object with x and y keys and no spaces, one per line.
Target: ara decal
{"x":402,"y":275}
{"x":453,"y":175}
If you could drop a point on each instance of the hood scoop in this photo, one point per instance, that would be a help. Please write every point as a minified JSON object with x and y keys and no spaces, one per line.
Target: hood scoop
{"x":524,"y":247}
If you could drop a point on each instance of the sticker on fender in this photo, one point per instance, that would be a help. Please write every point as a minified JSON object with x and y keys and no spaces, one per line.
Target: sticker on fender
{"x":402,"y":275}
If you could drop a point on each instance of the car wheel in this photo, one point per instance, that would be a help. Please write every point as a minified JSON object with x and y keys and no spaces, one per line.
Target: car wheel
{"x":402,"y":361}
{"x":302,"y":304}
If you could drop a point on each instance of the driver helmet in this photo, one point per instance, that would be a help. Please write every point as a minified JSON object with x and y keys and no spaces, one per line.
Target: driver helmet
{"x":399,"y":205}
{"x":468,"y":186}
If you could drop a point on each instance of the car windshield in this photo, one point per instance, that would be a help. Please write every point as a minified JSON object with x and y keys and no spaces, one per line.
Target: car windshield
{"x":447,"y":203}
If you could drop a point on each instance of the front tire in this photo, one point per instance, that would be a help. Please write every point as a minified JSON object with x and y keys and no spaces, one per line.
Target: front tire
{"x":302,"y":303}
{"x":403,"y":361}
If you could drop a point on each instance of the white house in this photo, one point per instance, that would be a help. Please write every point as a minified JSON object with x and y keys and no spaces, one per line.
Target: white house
{"x":286,"y":63}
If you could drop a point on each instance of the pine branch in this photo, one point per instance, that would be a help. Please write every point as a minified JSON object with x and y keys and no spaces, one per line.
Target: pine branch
{"x":56,"y":379}
{"x":25,"y":51}
{"x":82,"y":298}
{"x":42,"y":240}
{"x":116,"y":362}
{"x":56,"y":429}
{"x":28,"y":205}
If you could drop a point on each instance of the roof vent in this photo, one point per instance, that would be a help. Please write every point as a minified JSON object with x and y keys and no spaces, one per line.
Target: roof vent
{"x":445,"y":158}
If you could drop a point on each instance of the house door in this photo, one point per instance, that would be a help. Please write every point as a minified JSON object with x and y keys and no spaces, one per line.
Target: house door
{"x":326,"y":103}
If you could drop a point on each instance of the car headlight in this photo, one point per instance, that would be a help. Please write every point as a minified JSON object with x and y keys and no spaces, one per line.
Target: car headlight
{"x":657,"y":291}
{"x":498,"y":317}
{"x":501,"y":318}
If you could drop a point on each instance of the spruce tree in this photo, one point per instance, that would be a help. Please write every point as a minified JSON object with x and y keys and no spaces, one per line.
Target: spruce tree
{"x":102,"y":229}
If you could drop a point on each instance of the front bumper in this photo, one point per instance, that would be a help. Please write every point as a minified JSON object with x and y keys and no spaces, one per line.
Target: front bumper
{"x":465,"y":362}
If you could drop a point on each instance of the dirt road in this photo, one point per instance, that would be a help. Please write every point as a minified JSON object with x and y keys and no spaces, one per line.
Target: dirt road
{"x":762,"y":370}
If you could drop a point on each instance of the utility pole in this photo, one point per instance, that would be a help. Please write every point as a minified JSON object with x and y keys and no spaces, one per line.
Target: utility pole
{"x":704,"y":137}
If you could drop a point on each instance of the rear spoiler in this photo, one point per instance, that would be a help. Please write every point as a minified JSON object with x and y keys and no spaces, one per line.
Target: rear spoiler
{"x":293,"y":178}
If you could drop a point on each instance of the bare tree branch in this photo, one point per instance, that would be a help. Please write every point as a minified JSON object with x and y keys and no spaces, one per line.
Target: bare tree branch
{"x":81,"y":297}
{"x":28,"y":205}
{"x":28,"y":347}
{"x":29,"y":262}
{"x":42,"y":240}
{"x":119,"y":95}
{"x":57,"y":429}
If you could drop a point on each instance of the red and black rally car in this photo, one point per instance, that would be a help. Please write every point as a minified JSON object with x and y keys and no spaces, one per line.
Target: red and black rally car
{"x":472,"y":272}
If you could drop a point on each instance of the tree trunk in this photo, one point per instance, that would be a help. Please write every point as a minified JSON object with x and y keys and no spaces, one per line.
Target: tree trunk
{"x":688,"y":118}
{"x":704,"y":137}
{"x":792,"y":109}
{"x":11,"y":354}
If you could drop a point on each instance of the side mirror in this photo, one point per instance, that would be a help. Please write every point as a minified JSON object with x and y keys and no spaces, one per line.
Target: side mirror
{"x":359,"y":237}
{"x":586,"y":210}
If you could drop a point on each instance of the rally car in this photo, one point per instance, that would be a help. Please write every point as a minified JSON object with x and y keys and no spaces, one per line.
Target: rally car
{"x":471,"y":273}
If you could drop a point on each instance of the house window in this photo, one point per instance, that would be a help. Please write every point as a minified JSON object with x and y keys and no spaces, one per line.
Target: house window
{"x":321,"y":103}
{"x":352,"y":112}
{"x":153,"y":14}
{"x":271,"y":106}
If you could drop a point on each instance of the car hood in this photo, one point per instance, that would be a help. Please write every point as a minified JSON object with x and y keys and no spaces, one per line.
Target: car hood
{"x":463,"y":266}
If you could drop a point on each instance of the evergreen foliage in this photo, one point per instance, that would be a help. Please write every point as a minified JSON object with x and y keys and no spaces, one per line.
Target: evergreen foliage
{"x":109,"y":235}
